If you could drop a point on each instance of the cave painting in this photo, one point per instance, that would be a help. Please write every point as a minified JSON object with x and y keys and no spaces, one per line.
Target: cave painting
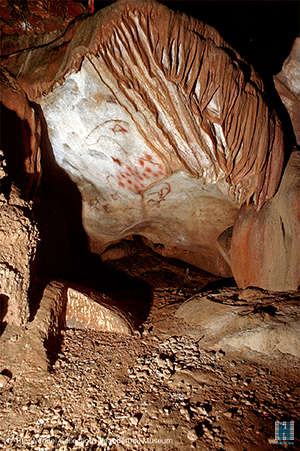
{"x":100,"y":136}
{"x":165,"y":131}
{"x":160,"y":194}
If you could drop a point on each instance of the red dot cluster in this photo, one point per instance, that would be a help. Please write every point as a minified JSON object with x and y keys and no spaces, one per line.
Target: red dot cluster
{"x":138,"y":178}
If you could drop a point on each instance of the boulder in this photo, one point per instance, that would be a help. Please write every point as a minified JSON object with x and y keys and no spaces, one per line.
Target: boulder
{"x":266,"y":324}
{"x":61,"y":306}
{"x":90,"y":311}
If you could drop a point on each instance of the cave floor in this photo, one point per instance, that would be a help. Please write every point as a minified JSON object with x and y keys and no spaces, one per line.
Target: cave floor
{"x":158,"y":389}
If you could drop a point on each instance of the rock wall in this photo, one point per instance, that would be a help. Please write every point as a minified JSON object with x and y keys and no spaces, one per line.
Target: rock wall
{"x":20,"y":135}
{"x":156,"y":142}
{"x":287,"y":83}
{"x":265,"y":244}
{"x":18,"y":242}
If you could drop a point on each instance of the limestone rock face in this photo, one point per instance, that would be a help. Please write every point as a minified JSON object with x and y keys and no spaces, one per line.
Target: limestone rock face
{"x":156,"y":142}
{"x":61,"y":306}
{"x":266,"y":326}
{"x":287,"y":83}
{"x":21,"y":138}
{"x":32,"y":19}
{"x":84,"y":312}
{"x":18,"y":241}
{"x":265,"y":244}
{"x":126,"y":187}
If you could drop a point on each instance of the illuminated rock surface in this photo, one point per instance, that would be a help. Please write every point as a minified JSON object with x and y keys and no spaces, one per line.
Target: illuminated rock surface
{"x":124,"y":184}
{"x":154,"y":145}
{"x":210,"y":371}
{"x":287,"y":83}
{"x":157,"y":143}
{"x":265,"y":244}
{"x":261,"y":324}
{"x":88,"y":312}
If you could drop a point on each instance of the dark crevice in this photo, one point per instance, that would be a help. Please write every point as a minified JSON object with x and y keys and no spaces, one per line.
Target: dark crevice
{"x":7,"y":373}
{"x":3,"y":311}
{"x":199,"y":35}
{"x":216,"y":285}
{"x":57,"y":210}
{"x":14,"y":141}
{"x":282,"y":228}
{"x":242,"y":65}
{"x":270,"y":309}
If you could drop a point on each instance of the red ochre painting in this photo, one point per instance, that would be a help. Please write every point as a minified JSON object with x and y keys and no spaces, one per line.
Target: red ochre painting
{"x":139,"y":178}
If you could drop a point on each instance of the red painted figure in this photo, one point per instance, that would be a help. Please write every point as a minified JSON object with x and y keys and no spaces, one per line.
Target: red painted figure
{"x":91,"y":7}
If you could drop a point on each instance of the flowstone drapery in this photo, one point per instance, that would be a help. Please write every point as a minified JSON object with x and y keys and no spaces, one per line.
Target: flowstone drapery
{"x":165,"y":131}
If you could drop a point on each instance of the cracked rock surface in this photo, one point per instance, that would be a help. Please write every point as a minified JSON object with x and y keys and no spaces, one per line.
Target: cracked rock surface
{"x":19,"y":238}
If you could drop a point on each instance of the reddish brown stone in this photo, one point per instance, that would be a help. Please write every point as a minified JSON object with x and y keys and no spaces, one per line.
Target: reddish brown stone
{"x":34,"y":17}
{"x":287,"y":83}
{"x":13,"y":98}
{"x":4,"y":13}
{"x":265,"y":244}
{"x":246,"y":169}
{"x":74,"y":9}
